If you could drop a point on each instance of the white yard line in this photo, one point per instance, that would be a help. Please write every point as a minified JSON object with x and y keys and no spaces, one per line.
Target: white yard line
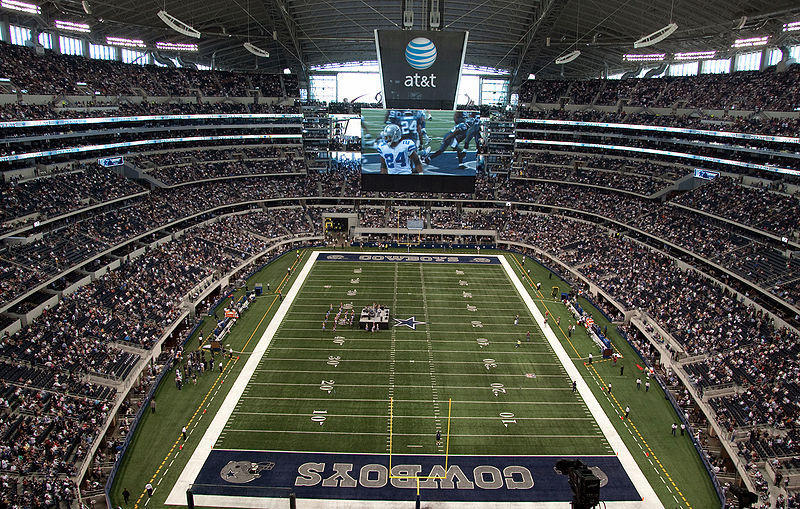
{"x":178,"y":494}
{"x":460,"y":402}
{"x":409,"y":416}
{"x":282,"y":384}
{"x":649,"y":497}
{"x":310,"y":503}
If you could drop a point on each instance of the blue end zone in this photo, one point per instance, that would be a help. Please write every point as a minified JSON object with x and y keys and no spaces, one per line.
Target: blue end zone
{"x":356,"y":257}
{"x":365,"y":477}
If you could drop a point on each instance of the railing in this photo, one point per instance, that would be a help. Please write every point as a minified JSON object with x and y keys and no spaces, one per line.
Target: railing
{"x":719,"y":390}
{"x":692,"y":359}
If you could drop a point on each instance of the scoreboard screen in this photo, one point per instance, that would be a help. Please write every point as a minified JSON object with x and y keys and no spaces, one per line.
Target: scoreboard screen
{"x":419,"y":150}
{"x":335,"y":224}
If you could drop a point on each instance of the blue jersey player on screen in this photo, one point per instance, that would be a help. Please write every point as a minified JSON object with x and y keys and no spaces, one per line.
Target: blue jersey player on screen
{"x":410,"y":122}
{"x":474,"y":131}
{"x":452,"y":139}
{"x":398,"y":156}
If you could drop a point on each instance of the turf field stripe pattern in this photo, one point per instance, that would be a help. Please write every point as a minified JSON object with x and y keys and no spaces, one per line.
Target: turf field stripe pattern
{"x":422,"y":367}
{"x":311,"y":388}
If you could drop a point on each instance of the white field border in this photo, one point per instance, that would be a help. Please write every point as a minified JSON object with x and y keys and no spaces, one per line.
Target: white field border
{"x":640,"y":482}
{"x":177,"y":495}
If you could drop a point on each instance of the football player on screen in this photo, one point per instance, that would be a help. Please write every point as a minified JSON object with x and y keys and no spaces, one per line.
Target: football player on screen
{"x":398,"y":156}
{"x":410,"y":122}
{"x":452,"y":139}
{"x":474,"y":124}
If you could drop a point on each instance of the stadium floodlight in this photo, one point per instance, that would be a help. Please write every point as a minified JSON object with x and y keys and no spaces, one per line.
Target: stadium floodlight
{"x":176,"y":46}
{"x":72,"y":26}
{"x":178,"y":25}
{"x":642,"y":57}
{"x":129,"y":43}
{"x":569,"y":57}
{"x":696,"y":55}
{"x":656,"y":37}
{"x":16,"y":5}
{"x":750,"y":42}
{"x":791,"y":27}
{"x":87,"y":8}
{"x":255,"y":50}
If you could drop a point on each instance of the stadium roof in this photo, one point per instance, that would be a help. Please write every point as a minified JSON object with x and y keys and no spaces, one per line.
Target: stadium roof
{"x":521,"y":36}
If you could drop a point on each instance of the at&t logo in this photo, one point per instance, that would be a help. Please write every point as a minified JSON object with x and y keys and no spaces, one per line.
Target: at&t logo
{"x":420,"y":54}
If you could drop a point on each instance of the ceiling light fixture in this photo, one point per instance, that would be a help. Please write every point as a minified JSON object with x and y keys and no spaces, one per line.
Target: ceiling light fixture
{"x":178,"y":25}
{"x":176,"y":46}
{"x":255,"y":50}
{"x":16,"y":5}
{"x":750,"y":42}
{"x":791,"y":27}
{"x":121,"y":41}
{"x":695,"y":55}
{"x":653,"y":57}
{"x":569,"y":57}
{"x":656,"y":37}
{"x":72,"y":26}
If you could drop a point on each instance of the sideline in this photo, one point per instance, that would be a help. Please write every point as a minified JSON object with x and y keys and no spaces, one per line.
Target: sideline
{"x":649,"y":497}
{"x":619,"y":406}
{"x":177,"y":495}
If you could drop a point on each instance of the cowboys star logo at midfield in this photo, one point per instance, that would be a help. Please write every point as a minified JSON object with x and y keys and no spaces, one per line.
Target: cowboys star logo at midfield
{"x":411,"y":323}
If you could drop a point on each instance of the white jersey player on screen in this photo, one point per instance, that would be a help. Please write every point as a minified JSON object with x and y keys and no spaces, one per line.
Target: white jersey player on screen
{"x":398,"y":156}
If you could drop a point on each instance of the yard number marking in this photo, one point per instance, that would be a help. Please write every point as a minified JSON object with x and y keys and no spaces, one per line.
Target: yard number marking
{"x":498,"y":388}
{"x":319,"y":416}
{"x":327,"y":385}
{"x":507,"y":418}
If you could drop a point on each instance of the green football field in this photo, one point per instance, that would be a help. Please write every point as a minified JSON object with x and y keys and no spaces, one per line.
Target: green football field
{"x":316,"y":391}
{"x":320,"y":390}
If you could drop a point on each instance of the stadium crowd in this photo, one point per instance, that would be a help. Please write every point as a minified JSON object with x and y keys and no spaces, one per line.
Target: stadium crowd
{"x":736,"y":91}
{"x":71,"y":188}
{"x":51,"y":413}
{"x":54,"y":74}
{"x":755,"y":124}
{"x":174,"y":168}
{"x":756,"y":207}
{"x":21,"y":111}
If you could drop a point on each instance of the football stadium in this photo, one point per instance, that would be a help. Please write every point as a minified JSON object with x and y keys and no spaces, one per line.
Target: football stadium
{"x":393,"y":254}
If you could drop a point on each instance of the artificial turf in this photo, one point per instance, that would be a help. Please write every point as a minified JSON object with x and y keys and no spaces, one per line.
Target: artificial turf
{"x":437,"y":369}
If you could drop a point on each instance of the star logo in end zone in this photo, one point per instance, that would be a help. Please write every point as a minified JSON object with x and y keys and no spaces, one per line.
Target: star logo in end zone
{"x":240,"y":472}
{"x":411,"y":323}
{"x":420,"y":53}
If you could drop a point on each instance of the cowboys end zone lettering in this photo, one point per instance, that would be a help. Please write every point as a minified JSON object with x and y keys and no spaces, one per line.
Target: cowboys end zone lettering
{"x":366,"y":476}
{"x":399,"y":257}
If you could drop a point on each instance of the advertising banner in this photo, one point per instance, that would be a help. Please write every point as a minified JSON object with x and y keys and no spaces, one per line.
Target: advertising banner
{"x":420,"y":69}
